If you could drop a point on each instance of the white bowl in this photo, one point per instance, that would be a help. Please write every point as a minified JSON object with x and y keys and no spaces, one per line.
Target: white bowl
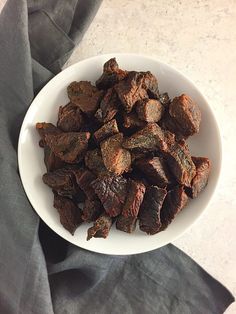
{"x":45,"y":107}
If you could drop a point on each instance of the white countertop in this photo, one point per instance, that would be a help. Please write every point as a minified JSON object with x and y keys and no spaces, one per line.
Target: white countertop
{"x":198,"y":37}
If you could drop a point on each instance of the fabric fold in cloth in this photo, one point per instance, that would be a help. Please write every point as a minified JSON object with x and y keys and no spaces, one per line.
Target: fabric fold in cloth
{"x":39,"y":271}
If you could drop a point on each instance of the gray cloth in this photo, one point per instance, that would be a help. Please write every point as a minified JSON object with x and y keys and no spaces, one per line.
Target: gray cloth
{"x":41,"y":273}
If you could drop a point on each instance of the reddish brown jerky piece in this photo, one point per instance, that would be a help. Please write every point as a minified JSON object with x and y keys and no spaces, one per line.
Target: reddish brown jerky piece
{"x":108,"y":106}
{"x":149,"y":110}
{"x":134,"y":198}
{"x":84,"y":95}
{"x":92,"y":210}
{"x":150,"y":138}
{"x":44,"y":129}
{"x":93,"y":161}
{"x":84,"y":178}
{"x":100,"y":228}
{"x":155,"y":170}
{"x":111,"y":190}
{"x":115,"y":157}
{"x":186,"y":113}
{"x":70,"y":146}
{"x":52,"y":162}
{"x":181,"y":164}
{"x":108,"y":129}
{"x":70,"y":214}
{"x":126,"y":224}
{"x":150,"y":84}
{"x":174,"y":202}
{"x":199,"y":182}
{"x":70,"y":118}
{"x":149,"y":215}
{"x":131,"y":90}
{"x":131,"y":120}
{"x":112,"y":74}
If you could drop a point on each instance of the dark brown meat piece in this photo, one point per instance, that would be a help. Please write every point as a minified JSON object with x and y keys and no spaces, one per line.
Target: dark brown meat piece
{"x":150,"y":138}
{"x":174,"y":202}
{"x":111,"y":190}
{"x":155,"y":170}
{"x":94,"y":161}
{"x":181,"y":164}
{"x":199,"y":182}
{"x":186,"y":113}
{"x":84,"y":178}
{"x":112,"y":74}
{"x":164,"y":99}
{"x":150,"y":84}
{"x":69,"y":147}
{"x":100,"y":228}
{"x":44,"y":129}
{"x":126,"y":224}
{"x":108,"y":106}
{"x":92,"y":210}
{"x":70,"y":118}
{"x":149,"y":110}
{"x":115,"y":157}
{"x":62,"y":181}
{"x":131,"y":90}
{"x":134,"y":198}
{"x":52,"y":162}
{"x":108,"y":129}
{"x":149,"y":214}
{"x":84,"y":95}
{"x":70,"y":214}
{"x":131,"y":120}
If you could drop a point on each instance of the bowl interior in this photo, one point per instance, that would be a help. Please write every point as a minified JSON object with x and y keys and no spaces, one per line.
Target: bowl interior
{"x":45,"y":107}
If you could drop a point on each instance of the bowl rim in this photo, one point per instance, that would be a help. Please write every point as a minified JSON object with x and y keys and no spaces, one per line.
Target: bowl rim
{"x":154,"y":59}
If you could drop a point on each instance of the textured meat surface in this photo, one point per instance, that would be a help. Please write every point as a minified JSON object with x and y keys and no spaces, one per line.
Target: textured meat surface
{"x":111,"y":190}
{"x":92,"y":210}
{"x":93,"y":161}
{"x":108,"y":107}
{"x":150,"y":84}
{"x":186,"y":113}
{"x":115,"y":157}
{"x":108,"y":129}
{"x":134,"y":198}
{"x":131,"y":120}
{"x":149,"y":215}
{"x":70,"y":146}
{"x":44,"y":129}
{"x":70,"y":214}
{"x":100,"y":228}
{"x":174,"y":202}
{"x":199,"y":182}
{"x":150,"y":110}
{"x":84,"y":178}
{"x":126,"y":224}
{"x":70,"y":118}
{"x":51,"y":161}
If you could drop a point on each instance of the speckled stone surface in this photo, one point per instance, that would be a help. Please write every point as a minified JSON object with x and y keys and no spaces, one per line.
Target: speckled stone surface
{"x":199,"y":39}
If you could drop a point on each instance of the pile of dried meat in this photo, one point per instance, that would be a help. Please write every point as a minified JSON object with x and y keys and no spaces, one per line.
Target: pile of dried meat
{"x":119,"y":148}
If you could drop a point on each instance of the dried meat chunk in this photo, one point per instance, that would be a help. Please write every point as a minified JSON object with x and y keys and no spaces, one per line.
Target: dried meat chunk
{"x":156,"y":170}
{"x":131,"y":90}
{"x":92,"y":210}
{"x":111,"y":75}
{"x":69,"y":147}
{"x":174,"y":202}
{"x":134,"y":198}
{"x":70,"y":118}
{"x":126,"y":224}
{"x":108,"y":129}
{"x":111,"y":190}
{"x":70,"y":214}
{"x":150,"y":84}
{"x":131,"y":120}
{"x":186,"y":113}
{"x":62,"y":181}
{"x":84,"y":178}
{"x":100,"y":228}
{"x":199,"y":182}
{"x":84,"y":95}
{"x":51,"y":161}
{"x":44,"y":129}
{"x":149,"y":110}
{"x":115,"y":157}
{"x":149,"y":214}
{"x":165,"y":99}
{"x":150,"y":138}
{"x":108,"y":107}
{"x":181,"y":164}
{"x":93,"y":161}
